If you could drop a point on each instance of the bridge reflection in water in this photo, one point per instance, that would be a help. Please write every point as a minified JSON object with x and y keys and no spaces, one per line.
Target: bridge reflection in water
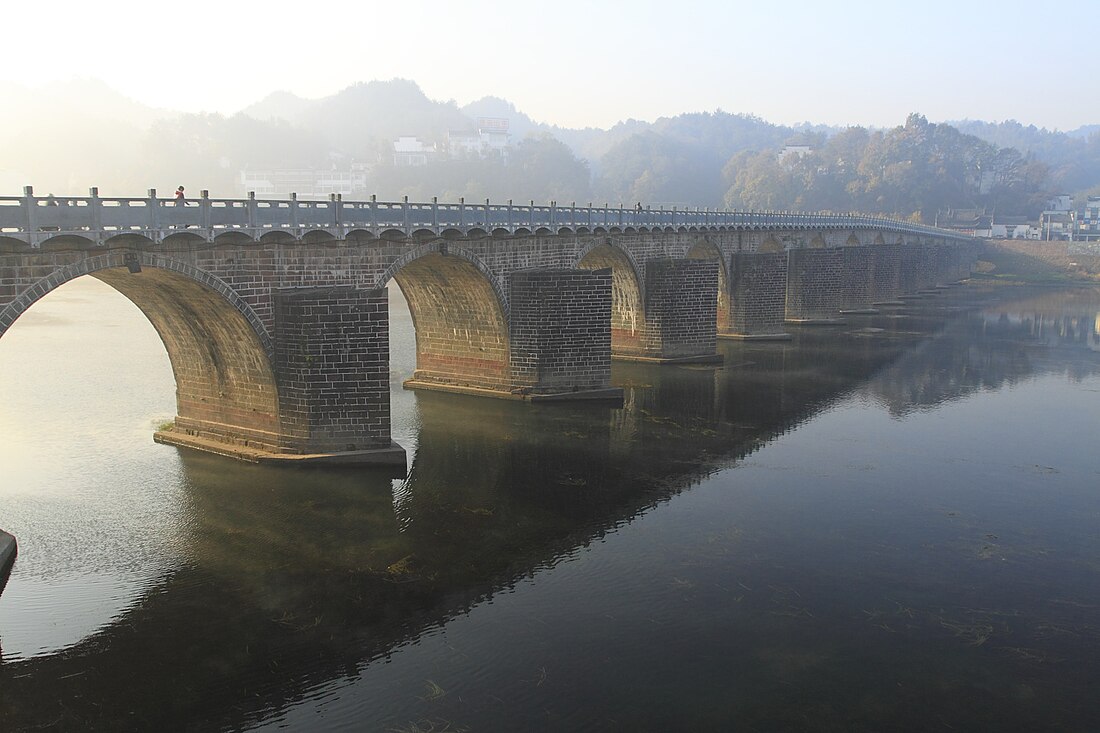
{"x":297,"y":585}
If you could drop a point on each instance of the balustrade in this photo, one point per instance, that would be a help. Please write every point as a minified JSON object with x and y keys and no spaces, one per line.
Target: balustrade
{"x":27,"y":214}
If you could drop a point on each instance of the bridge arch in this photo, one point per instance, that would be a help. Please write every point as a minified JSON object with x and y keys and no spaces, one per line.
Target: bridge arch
{"x":219,"y":348}
{"x":460,"y":317}
{"x":627,"y":292}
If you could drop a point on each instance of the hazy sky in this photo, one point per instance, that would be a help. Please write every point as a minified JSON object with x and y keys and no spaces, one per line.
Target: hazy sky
{"x":587,"y":63}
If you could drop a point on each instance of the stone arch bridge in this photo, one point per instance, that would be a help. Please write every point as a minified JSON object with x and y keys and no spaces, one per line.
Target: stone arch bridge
{"x":275,"y":318}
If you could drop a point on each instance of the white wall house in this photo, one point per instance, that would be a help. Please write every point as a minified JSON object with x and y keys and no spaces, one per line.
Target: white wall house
{"x":411,"y":151}
{"x":1010,"y":227}
{"x":279,"y":183}
{"x":796,"y":150}
{"x":1061,"y":202}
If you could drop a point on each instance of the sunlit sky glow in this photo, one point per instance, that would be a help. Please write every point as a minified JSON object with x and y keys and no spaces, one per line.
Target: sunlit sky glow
{"x":586,"y":63}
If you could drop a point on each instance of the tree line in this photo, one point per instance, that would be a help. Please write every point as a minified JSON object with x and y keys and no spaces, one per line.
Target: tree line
{"x":710,"y":159}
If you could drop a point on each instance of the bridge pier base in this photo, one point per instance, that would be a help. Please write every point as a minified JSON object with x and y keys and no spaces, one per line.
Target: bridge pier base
{"x":680,"y":313}
{"x":758,"y":291}
{"x":886,"y":274}
{"x":560,"y":333}
{"x":331,"y":368}
{"x":857,"y":283}
{"x":814,"y":285}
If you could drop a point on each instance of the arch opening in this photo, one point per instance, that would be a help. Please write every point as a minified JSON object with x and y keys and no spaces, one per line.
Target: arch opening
{"x":459,"y":323}
{"x":225,"y":386}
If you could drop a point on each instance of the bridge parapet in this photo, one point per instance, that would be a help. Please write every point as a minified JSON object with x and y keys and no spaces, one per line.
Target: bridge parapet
{"x":34,"y":219}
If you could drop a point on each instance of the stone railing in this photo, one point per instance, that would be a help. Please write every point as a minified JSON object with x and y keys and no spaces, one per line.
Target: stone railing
{"x":34,"y":219}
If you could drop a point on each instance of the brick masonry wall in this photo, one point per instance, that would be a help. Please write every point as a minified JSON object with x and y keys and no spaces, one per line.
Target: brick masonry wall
{"x":332,"y":366}
{"x":814,"y":283}
{"x":857,"y":278}
{"x":561,"y":330}
{"x":942,"y":269}
{"x":461,"y":326}
{"x":460,"y":292}
{"x":627,"y":314}
{"x":886,"y":272}
{"x":681,"y":308}
{"x":909,"y":277}
{"x":758,"y":292}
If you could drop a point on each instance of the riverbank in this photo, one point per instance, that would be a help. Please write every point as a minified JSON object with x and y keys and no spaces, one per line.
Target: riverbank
{"x":8,"y":551}
{"x":1016,"y":260}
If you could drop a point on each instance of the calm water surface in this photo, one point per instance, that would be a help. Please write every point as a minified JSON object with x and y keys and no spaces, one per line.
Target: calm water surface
{"x":888,"y":525}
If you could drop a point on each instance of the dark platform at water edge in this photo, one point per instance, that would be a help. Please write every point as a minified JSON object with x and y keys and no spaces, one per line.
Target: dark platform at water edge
{"x":8,"y":551}
{"x":394,"y":455}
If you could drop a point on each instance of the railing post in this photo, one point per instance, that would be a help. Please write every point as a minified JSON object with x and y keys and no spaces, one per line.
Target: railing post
{"x":461,"y":211}
{"x":335,"y":202}
{"x":95,"y":206}
{"x":153,"y":215}
{"x":590,"y":216}
{"x":573,"y":216}
{"x":204,"y":209}
{"x":294,"y":210}
{"x":553,"y":211}
{"x":435,"y":213}
{"x":29,"y":211}
{"x":251,"y":209}
{"x":374,"y":211}
{"x":510,"y":224}
{"x":531,"y":215}
{"x":405,"y":210}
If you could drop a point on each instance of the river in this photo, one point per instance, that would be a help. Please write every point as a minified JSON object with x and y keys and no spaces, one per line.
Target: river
{"x":892,"y":524}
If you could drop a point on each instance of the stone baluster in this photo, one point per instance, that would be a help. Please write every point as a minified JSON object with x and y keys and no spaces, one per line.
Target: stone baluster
{"x":95,"y":207}
{"x":204,"y":209}
{"x":153,"y":215}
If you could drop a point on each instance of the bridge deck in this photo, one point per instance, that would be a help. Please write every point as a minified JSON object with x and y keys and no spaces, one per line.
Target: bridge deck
{"x":34,"y":219}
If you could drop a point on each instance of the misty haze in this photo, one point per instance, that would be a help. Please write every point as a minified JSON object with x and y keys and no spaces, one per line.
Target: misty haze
{"x":434,"y":368}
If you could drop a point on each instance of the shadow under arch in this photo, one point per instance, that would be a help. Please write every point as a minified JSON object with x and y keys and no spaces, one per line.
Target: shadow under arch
{"x":706,"y":250}
{"x":219,"y":349}
{"x":627,"y":295}
{"x":460,"y":317}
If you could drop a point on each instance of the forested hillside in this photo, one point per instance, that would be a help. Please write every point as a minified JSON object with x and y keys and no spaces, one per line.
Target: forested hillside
{"x":66,"y":138}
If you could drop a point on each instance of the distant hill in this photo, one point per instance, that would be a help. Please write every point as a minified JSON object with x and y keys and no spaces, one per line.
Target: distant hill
{"x":278,"y":106}
{"x":79,"y":133}
{"x":1084,"y":131}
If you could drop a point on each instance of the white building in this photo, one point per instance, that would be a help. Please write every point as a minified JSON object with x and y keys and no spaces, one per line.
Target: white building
{"x":492,"y":140}
{"x":1011,"y":227}
{"x":494,"y":136}
{"x":1088,"y":223}
{"x":411,"y":151}
{"x":1061,"y":202}
{"x":796,"y":150}
{"x":308,"y":183}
